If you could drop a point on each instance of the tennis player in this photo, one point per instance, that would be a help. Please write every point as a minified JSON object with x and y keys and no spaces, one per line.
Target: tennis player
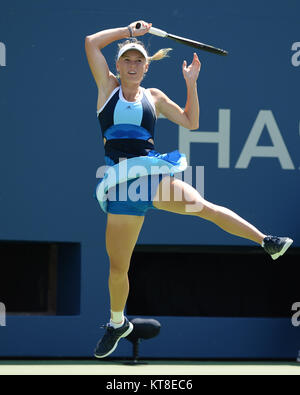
{"x":127,"y":114}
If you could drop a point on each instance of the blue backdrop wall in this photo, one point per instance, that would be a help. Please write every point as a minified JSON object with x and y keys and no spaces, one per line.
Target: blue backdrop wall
{"x":50,"y":150}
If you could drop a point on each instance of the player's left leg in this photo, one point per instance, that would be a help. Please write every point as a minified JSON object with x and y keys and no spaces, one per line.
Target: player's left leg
{"x":179,"y":197}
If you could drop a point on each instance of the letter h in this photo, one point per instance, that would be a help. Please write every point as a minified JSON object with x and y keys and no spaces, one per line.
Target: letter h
{"x":222,"y":138}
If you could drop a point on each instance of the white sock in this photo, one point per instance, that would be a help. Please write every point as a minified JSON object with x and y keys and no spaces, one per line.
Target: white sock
{"x":117,"y":319}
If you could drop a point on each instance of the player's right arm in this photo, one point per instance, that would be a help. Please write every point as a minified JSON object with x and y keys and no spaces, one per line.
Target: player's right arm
{"x":106,"y":81}
{"x":104,"y":78}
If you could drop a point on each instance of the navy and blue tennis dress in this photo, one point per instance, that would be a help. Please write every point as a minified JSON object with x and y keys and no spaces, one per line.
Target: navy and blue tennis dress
{"x":134,"y":167}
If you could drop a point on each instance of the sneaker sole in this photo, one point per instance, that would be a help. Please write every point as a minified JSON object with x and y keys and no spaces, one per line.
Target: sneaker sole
{"x":129,"y":330}
{"x":287,"y":244}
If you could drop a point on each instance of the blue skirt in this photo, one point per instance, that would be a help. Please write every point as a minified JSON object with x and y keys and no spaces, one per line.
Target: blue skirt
{"x":129,"y":187}
{"x":134,"y":197}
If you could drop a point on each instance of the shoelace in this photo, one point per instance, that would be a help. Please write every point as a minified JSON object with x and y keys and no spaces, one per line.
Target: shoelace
{"x":108,"y":327}
{"x":104,"y":326}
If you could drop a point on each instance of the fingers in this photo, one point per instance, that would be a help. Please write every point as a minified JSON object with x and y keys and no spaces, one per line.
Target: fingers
{"x":195,"y":63}
{"x":196,"y":59}
{"x":140,"y":28}
{"x":184,"y":67}
{"x":191,"y":72}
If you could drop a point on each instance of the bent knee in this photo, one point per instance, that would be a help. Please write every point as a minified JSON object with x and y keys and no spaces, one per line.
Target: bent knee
{"x":202,"y":207}
{"x":209,"y":211}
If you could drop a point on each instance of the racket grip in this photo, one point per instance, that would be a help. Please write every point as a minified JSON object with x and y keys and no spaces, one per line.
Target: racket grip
{"x":158,"y":32}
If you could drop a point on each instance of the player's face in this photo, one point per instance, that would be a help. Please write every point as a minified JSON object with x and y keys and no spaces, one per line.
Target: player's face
{"x":132,"y":66}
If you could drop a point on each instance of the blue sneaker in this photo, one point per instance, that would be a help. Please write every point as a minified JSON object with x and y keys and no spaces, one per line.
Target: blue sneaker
{"x":110,"y":340}
{"x":276,"y":246}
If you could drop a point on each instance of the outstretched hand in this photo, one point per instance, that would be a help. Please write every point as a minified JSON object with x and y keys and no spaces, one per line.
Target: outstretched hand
{"x":191,"y":72}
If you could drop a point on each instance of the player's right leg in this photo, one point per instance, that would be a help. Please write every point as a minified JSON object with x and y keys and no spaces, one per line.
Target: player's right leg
{"x":122,"y":232}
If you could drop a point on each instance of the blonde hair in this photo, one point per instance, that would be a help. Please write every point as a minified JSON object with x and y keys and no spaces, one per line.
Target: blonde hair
{"x":159,"y":55}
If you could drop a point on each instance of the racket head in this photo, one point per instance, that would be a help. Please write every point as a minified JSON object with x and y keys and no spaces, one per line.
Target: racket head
{"x":198,"y":45}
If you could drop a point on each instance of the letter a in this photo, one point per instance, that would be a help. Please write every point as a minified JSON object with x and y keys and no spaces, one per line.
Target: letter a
{"x":277,"y":150}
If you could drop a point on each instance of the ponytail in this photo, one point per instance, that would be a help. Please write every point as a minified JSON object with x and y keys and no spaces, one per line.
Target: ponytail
{"x":161,"y":54}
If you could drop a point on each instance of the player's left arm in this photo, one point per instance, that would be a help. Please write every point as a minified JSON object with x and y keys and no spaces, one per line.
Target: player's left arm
{"x":189,"y":116}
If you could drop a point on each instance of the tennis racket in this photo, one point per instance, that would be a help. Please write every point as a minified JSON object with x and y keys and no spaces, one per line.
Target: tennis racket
{"x":185,"y":41}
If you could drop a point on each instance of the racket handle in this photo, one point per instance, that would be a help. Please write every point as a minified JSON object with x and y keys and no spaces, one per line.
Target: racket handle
{"x":158,"y":32}
{"x":153,"y":30}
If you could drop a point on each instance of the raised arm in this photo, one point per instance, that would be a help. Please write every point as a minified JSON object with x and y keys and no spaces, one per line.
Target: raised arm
{"x":189,"y":116}
{"x":94,"y":43}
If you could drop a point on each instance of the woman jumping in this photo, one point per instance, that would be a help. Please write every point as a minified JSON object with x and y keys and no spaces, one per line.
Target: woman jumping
{"x":127,"y":114}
